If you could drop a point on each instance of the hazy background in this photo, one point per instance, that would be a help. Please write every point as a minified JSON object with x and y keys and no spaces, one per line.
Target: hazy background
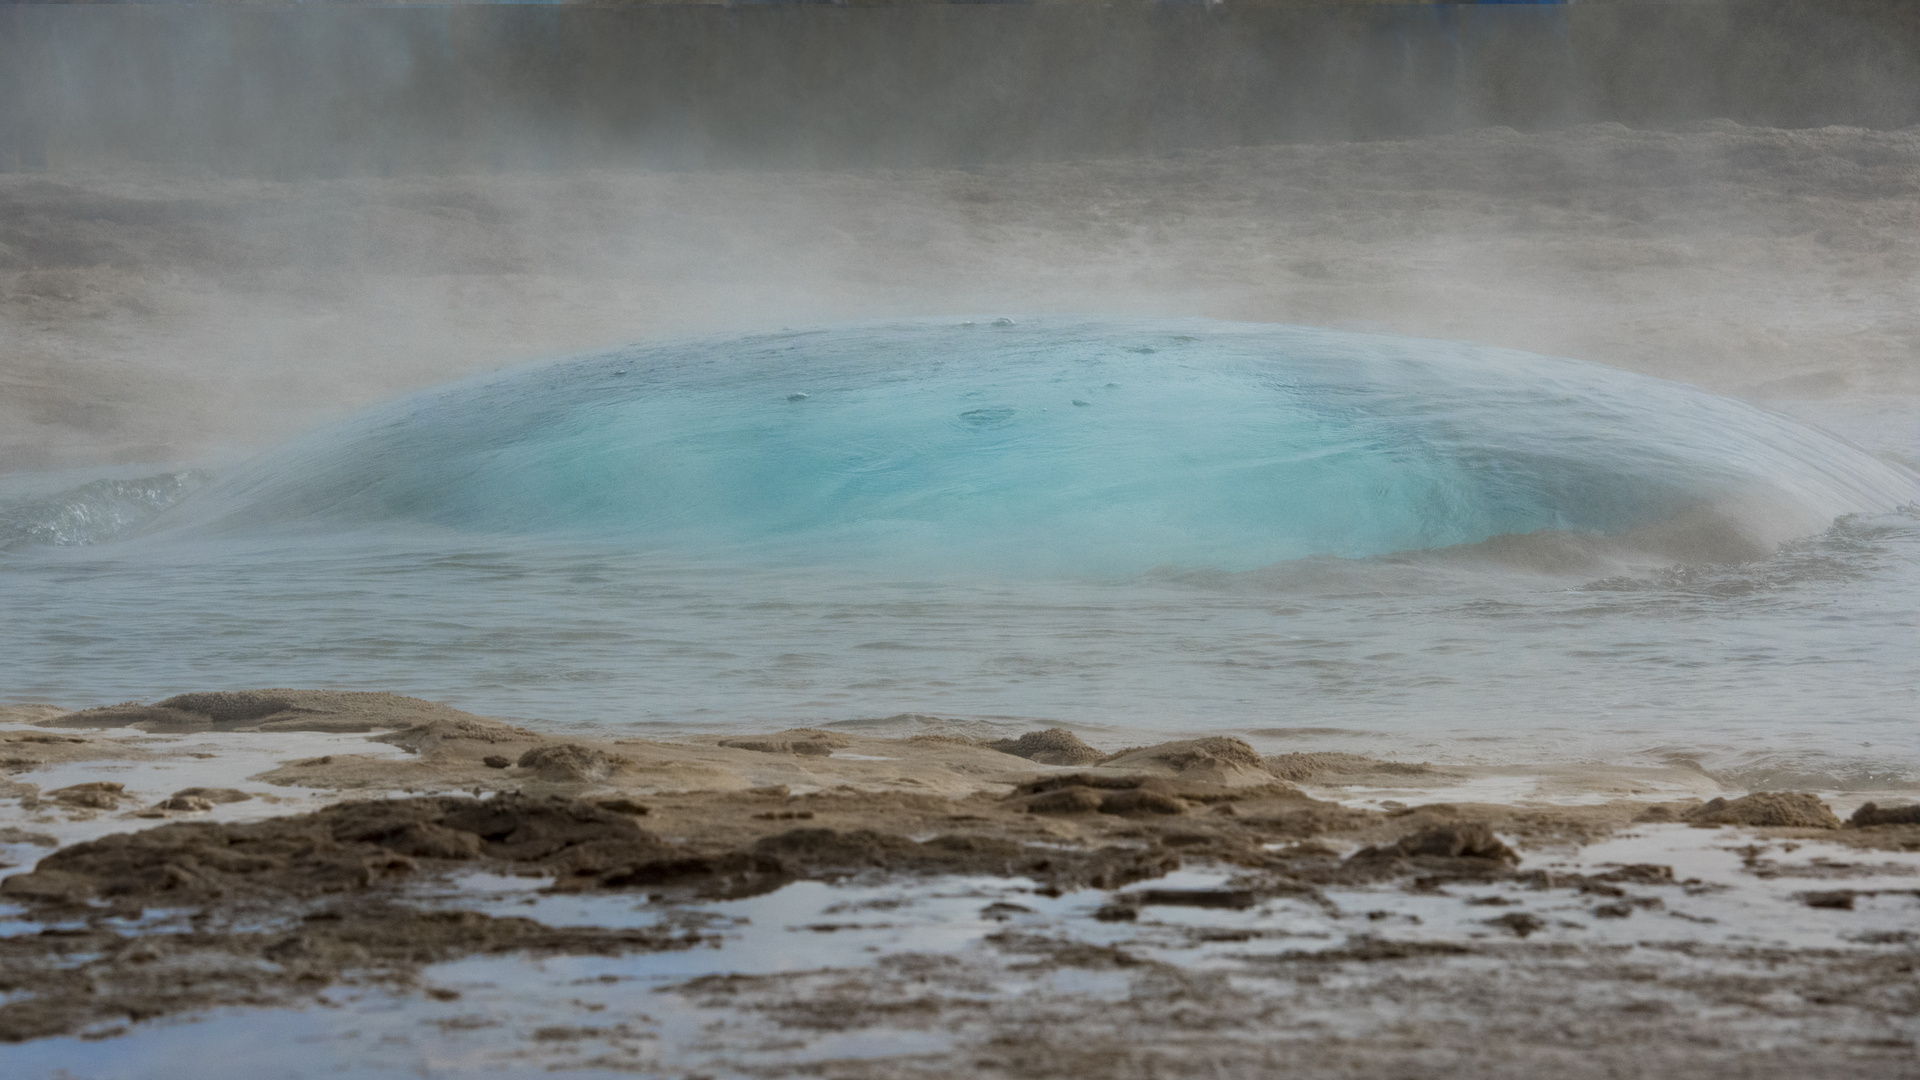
{"x":227,"y":223}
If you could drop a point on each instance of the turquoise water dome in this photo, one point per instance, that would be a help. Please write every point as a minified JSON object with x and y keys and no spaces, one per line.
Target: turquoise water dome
{"x":1055,"y":445}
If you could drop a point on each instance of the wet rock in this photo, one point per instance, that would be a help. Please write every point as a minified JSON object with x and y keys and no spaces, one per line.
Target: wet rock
{"x":1054,"y":746}
{"x":723,"y":875}
{"x":829,"y":853}
{"x":229,"y":707}
{"x":1097,"y":781}
{"x":47,"y":885}
{"x":802,"y":742}
{"x":262,"y":710}
{"x":1071,"y":800}
{"x":1086,"y":794}
{"x":1519,"y":923}
{"x":571,"y":763}
{"x":1838,"y":900}
{"x":832,"y":850}
{"x":425,"y":840}
{"x":134,"y":714}
{"x":99,"y":795}
{"x":1230,"y":899}
{"x":496,"y":761}
{"x":97,"y":977}
{"x":456,"y":733}
{"x":216,"y":795}
{"x":1470,"y":840}
{"x":1777,"y":809}
{"x":1216,"y":759}
{"x":11,"y":835}
{"x":1639,"y":874}
{"x":521,"y":828}
{"x":185,"y":804}
{"x":1142,"y":800}
{"x":1873,"y":814}
{"x":341,"y":848}
{"x":1325,"y":766}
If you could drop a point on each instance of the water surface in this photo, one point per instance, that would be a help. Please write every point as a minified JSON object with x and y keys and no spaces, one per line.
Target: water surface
{"x":1134,"y":528}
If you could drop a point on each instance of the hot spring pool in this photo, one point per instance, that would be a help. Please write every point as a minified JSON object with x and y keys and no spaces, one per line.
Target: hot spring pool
{"x":1131,"y":527}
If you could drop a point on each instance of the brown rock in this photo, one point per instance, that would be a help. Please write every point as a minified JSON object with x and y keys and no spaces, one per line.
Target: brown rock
{"x":571,"y":763}
{"x":1215,"y":759}
{"x":134,"y":714}
{"x":1639,"y":874}
{"x":99,"y":795}
{"x":341,"y":848}
{"x":1084,"y":793}
{"x":1777,"y":809}
{"x":1872,"y":814}
{"x":1232,"y":899}
{"x":804,"y":742}
{"x":47,"y":885}
{"x":1321,"y":766}
{"x":213,"y":794}
{"x":1469,"y":840}
{"x":12,"y":835}
{"x":263,"y":710}
{"x":1069,"y":800}
{"x":1519,"y":922}
{"x":1187,"y":753}
{"x":1054,"y":746}
{"x":94,"y":976}
{"x":427,"y":840}
{"x":456,"y":733}
{"x":831,"y":849}
{"x":226,"y":707}
{"x":1142,"y":801}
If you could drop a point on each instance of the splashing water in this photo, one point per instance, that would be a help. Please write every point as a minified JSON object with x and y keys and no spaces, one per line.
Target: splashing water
{"x":94,"y":512}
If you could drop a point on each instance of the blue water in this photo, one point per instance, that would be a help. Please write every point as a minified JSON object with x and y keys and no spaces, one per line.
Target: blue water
{"x":1059,"y":447}
{"x":1131,"y":527}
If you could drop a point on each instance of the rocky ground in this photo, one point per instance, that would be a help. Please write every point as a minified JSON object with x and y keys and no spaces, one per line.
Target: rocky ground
{"x":1025,"y":907}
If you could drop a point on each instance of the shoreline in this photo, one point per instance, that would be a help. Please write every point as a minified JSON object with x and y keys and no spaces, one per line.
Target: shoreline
{"x":373,"y":852}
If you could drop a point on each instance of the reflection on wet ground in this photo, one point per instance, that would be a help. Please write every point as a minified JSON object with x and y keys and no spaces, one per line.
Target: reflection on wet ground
{"x":1748,"y":937}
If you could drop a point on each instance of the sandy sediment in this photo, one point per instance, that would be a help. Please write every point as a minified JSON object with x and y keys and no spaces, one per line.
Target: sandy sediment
{"x":281,"y":902}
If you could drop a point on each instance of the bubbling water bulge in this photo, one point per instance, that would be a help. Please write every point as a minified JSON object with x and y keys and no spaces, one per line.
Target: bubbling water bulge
{"x":1063,"y":446}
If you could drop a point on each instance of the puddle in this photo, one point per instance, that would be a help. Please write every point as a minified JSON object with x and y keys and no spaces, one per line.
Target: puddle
{"x":183,"y":761}
{"x":923,"y":970}
{"x":815,"y":973}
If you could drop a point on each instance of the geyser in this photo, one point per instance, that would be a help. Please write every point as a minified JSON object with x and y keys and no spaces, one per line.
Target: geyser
{"x":1060,"y":445}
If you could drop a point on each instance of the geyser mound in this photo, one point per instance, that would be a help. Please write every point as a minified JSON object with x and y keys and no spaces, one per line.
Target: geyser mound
{"x":1063,"y":445}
